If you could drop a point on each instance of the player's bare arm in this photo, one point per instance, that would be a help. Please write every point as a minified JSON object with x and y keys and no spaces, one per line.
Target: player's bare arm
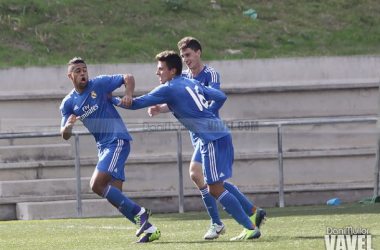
{"x":66,"y":131}
{"x":129,"y":83}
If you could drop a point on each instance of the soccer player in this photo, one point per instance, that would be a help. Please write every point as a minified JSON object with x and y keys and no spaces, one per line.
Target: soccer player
{"x":88,"y":102}
{"x":188,"y":100}
{"x":191,"y":52}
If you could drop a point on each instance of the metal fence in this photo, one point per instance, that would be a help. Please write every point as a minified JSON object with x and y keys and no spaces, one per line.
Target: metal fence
{"x":233,"y":125}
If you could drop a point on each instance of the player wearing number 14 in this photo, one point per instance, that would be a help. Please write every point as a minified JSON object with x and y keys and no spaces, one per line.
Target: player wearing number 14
{"x":189,"y":102}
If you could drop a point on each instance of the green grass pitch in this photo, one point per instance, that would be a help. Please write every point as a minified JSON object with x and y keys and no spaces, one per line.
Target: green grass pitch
{"x":286,"y":228}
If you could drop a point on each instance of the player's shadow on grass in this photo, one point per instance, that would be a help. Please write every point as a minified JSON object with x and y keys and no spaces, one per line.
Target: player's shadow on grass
{"x":270,"y":239}
{"x":207,"y":242}
{"x":352,"y":208}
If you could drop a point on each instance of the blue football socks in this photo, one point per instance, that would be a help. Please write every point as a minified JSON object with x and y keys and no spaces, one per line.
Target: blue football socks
{"x":127,"y":207}
{"x":233,"y":208}
{"x":244,"y":202}
{"x":211,"y":206}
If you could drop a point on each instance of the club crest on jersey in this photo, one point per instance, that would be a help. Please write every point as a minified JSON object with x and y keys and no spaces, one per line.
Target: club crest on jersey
{"x":93,"y":94}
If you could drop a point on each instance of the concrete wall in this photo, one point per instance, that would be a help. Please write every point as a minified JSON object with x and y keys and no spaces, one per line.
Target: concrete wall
{"x":241,"y":72}
{"x":319,"y":160}
{"x":257,"y":89}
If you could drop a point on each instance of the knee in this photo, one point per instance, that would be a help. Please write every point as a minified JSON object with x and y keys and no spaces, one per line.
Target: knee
{"x":214,"y":193}
{"x":196,"y":174}
{"x":198,"y":179}
{"x":97,"y":187}
{"x":216,"y":190}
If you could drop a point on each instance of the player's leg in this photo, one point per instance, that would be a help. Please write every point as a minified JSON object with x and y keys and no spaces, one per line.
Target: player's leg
{"x":99,"y":182}
{"x":110,"y":169}
{"x":232,"y":206}
{"x":107,"y":182}
{"x":218,"y":157}
{"x":256,"y":214}
{"x":196,"y":174}
{"x":132,"y":211}
{"x":119,"y":185}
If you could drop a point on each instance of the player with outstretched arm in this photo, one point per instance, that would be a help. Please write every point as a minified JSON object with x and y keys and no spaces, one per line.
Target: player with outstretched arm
{"x":188,"y":100}
{"x":191,"y":52}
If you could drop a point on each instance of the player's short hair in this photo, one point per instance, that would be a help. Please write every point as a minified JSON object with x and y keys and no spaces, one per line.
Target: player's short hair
{"x":172,"y":59}
{"x":73,"y":62}
{"x":189,"y":43}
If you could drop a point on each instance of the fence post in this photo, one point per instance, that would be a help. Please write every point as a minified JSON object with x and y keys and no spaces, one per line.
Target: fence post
{"x":78,"y":177}
{"x":281,"y":167}
{"x":377,"y":166}
{"x":180,"y":174}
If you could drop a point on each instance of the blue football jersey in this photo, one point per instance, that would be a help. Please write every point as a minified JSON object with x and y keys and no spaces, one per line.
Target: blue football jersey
{"x":207,"y":77}
{"x":188,"y":101}
{"x":98,"y":115}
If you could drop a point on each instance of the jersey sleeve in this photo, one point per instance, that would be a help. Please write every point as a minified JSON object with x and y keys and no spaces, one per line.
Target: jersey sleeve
{"x":215,"y":95}
{"x":110,"y":82}
{"x":65,"y":113}
{"x":157,"y":96}
{"x":214,"y":80}
{"x":115,"y":100}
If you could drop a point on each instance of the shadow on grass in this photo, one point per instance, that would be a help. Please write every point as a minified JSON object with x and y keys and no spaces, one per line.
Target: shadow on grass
{"x":271,"y":239}
{"x":351,"y":208}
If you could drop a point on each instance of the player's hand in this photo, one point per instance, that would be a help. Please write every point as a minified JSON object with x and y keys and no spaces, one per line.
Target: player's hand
{"x":127,"y":101}
{"x":154,"y":110}
{"x":72,"y":119}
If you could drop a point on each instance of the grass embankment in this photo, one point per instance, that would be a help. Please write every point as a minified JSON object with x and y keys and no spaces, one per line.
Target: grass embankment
{"x":50,"y":32}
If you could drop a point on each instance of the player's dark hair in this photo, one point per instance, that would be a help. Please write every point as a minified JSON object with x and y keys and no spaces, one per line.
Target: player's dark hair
{"x":189,"y":43}
{"x":172,"y":59}
{"x":74,"y":61}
